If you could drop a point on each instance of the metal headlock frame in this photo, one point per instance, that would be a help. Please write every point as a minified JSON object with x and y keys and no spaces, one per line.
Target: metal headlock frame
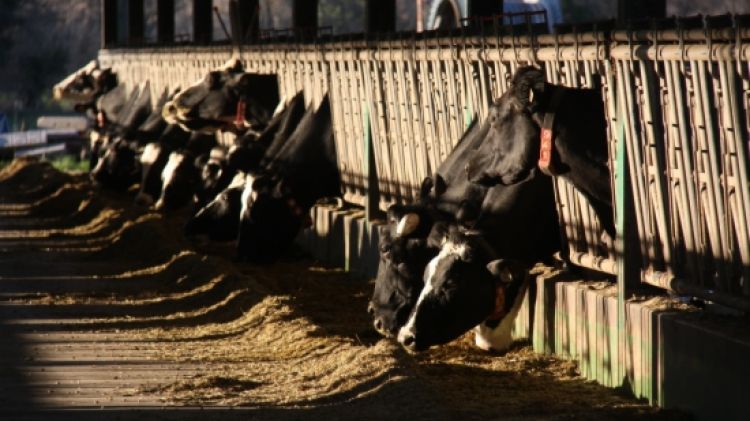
{"x":418,"y":91}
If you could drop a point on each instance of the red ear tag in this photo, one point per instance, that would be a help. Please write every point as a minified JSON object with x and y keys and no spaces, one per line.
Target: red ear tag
{"x":499,"y":311}
{"x":239,"y":119}
{"x":545,"y":150}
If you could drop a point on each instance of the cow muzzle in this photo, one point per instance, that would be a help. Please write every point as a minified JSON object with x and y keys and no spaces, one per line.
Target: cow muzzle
{"x":408,"y":339}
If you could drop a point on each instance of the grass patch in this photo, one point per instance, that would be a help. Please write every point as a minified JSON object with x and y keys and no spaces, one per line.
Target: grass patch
{"x":64,"y":163}
{"x":69,"y":163}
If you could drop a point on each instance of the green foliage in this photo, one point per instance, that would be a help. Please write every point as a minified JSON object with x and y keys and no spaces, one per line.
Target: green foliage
{"x":70,"y":163}
{"x":344,"y":17}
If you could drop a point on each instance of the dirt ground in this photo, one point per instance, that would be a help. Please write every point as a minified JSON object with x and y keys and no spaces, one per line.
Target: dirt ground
{"x":105,"y":306}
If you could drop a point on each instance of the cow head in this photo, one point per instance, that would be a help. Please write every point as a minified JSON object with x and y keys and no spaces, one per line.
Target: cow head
{"x":510,"y":153}
{"x":117,"y":166}
{"x":226,"y":98}
{"x":461,"y":289}
{"x":85,"y":85}
{"x":270,"y":219}
{"x":510,"y":150}
{"x":153,"y":158}
{"x":220,"y":218}
{"x":178,"y":180}
{"x":399,"y":278}
{"x":215,"y":176}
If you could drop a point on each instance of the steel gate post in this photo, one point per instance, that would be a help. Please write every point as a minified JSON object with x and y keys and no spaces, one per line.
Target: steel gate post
{"x":372,"y":202}
{"x":625,"y":273}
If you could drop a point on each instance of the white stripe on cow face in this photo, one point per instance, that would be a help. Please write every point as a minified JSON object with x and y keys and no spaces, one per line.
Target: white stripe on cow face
{"x":168,"y":173}
{"x":94,"y":139}
{"x":448,"y":250}
{"x":248,"y":195}
{"x":150,"y":153}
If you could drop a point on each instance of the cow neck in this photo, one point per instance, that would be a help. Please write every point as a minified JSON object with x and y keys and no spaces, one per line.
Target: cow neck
{"x":547,"y":135}
{"x":499,"y":310}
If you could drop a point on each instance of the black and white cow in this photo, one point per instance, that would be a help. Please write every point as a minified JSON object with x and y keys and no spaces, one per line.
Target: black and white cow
{"x":399,"y":278}
{"x":466,"y":286}
{"x":116,"y":164}
{"x":225,"y":99}
{"x":154,"y":158}
{"x":276,"y":205}
{"x":219,"y":219}
{"x":517,"y":223}
{"x":85,"y":86}
{"x":558,"y":129}
{"x":404,"y":253}
{"x":181,"y":176}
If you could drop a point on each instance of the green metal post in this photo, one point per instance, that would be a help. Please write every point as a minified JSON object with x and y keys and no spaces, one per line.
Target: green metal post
{"x":621,"y":245}
{"x":372,"y":204}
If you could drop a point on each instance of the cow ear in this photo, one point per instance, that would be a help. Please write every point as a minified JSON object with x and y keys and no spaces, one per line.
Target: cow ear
{"x":440,"y":185}
{"x":281,"y":189}
{"x":424,"y":189}
{"x":507,"y":271}
{"x":527,"y":83}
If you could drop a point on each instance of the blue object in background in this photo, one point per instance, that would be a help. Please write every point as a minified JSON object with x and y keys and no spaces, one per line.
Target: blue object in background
{"x":4,"y":126}
{"x":446,"y":14}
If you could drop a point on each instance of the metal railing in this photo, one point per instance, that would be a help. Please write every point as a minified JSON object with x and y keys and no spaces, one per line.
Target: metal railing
{"x":683,"y":96}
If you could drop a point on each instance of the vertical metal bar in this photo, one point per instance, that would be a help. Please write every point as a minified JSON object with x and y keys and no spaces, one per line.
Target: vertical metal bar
{"x":419,"y":132}
{"x":681,"y":216}
{"x":341,"y":122}
{"x":708,"y":172}
{"x":409,"y":140}
{"x":737,"y":159}
{"x":358,"y":150}
{"x":395,"y":135}
{"x":632,"y":132}
{"x":429,"y":111}
{"x":386,"y":169}
{"x":452,"y":111}
{"x":656,"y":217}
{"x":621,"y":246}
{"x":438,"y":92}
